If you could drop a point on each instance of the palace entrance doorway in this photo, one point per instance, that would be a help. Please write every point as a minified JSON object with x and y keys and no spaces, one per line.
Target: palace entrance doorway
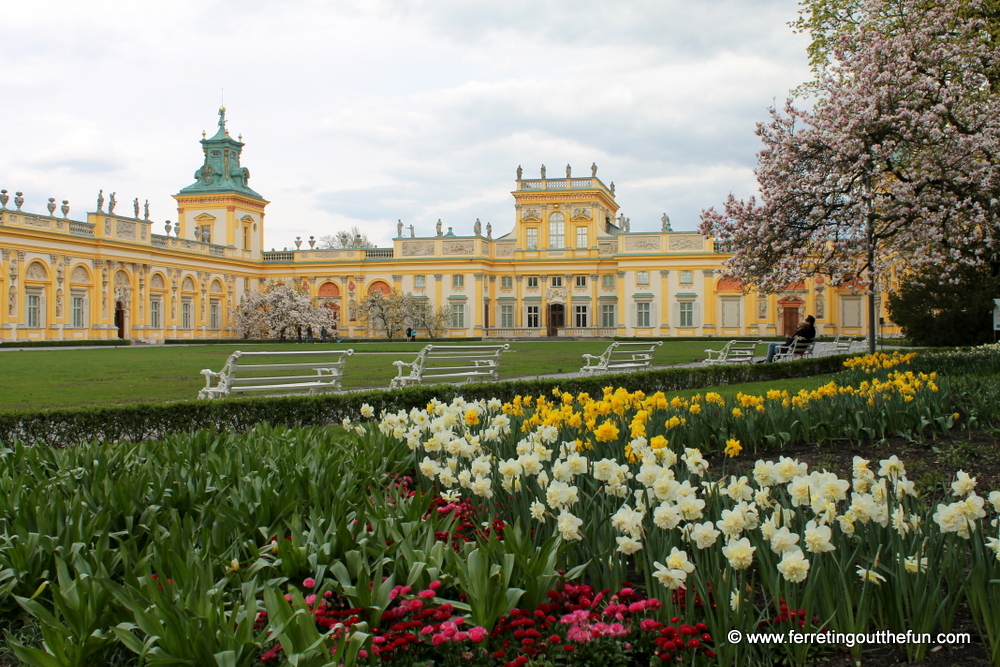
{"x":120,"y":318}
{"x":557,"y":318}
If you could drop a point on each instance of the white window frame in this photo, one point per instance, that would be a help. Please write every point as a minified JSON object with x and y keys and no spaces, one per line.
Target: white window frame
{"x":419,"y":282}
{"x":34,"y":308}
{"x":686,"y":311}
{"x":608,"y":315}
{"x":582,"y":237}
{"x":687,"y":277}
{"x":532,"y":282}
{"x":580,"y":315}
{"x":506,"y":316}
{"x":533,"y":316}
{"x":531,"y":238}
{"x":458,"y":281}
{"x":643,"y":314}
{"x":458,"y":316}
{"x":556,"y":281}
{"x":214,"y":315}
{"x":506,"y":282}
{"x":156,"y":312}
{"x":187,"y":313}
{"x":608,"y":281}
{"x":581,"y":281}
{"x":78,"y":308}
{"x":642,"y":277}
{"x":557,"y":231}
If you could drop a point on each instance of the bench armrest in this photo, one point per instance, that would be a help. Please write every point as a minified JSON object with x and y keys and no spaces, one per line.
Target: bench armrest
{"x":209,"y":374}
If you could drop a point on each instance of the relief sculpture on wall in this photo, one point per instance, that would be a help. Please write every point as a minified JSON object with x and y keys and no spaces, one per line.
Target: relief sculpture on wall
{"x":418,"y":248}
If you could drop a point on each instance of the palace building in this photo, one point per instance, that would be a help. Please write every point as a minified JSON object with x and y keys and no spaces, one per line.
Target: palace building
{"x":569,"y":266}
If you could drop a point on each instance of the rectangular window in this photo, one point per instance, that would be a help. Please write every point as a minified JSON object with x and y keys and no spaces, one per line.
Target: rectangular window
{"x":246,"y":237}
{"x":608,"y":281}
{"x":532,"y":282}
{"x":581,"y":281}
{"x":186,"y":314}
{"x":557,"y":281}
{"x":79,"y":316}
{"x":608,"y":315}
{"x":419,"y":282}
{"x":557,"y":233}
{"x":580,"y":316}
{"x":687,"y":314}
{"x":34,"y":311}
{"x":458,"y":316}
{"x":506,"y":282}
{"x":581,"y":237}
{"x":642,"y":314}
{"x":155,"y":317}
{"x":533,"y":316}
{"x":246,"y":283}
{"x":687,"y":277}
{"x":458,"y":281}
{"x":642,"y":277}
{"x":506,"y":316}
{"x":214,"y":315}
{"x":532,"y":238}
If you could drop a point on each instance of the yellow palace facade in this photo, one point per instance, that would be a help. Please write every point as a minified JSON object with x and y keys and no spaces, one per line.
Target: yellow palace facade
{"x":570,"y":266}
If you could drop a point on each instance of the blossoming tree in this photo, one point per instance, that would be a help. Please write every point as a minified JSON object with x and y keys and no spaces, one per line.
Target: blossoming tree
{"x":897,"y":162}
{"x":277,"y":308}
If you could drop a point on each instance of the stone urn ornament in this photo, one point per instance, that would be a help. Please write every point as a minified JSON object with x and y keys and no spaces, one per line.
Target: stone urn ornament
{"x":4,"y":198}
{"x":298,"y":242}
{"x":166,"y":226}
{"x":18,"y":200}
{"x":177,"y":229}
{"x":65,"y":208}
{"x":51,"y":205}
{"x":312,"y":241}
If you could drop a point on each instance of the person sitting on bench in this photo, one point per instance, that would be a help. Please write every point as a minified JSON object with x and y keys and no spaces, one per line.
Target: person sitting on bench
{"x":806,"y":332}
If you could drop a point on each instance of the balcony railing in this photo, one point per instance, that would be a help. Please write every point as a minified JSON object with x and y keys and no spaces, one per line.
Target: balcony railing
{"x":279,"y":256}
{"x":81,"y":228}
{"x":378,"y":253}
{"x":587,"y":332}
{"x":513,"y":332}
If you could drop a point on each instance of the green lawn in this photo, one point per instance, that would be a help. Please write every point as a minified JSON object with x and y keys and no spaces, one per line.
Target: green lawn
{"x":70,"y":376}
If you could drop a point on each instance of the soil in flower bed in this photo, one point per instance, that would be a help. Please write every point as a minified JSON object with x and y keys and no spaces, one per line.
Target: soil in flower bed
{"x":931,"y":465}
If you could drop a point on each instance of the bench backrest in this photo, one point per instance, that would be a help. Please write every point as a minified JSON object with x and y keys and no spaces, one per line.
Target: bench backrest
{"x":453,"y":357}
{"x":631,"y":352}
{"x":800,"y":345}
{"x":285,"y":367}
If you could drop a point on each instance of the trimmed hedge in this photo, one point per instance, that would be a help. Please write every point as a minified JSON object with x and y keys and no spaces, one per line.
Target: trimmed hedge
{"x":293,"y":339}
{"x":140,"y":421}
{"x":107,"y":342}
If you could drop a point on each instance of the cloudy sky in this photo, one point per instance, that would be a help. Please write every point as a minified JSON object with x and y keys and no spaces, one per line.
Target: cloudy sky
{"x":367,"y":111}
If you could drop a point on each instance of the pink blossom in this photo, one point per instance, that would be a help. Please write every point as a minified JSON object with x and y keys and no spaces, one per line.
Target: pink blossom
{"x":308,"y":582}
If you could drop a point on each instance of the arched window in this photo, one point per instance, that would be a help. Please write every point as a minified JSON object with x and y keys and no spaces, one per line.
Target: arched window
{"x":379,"y":286}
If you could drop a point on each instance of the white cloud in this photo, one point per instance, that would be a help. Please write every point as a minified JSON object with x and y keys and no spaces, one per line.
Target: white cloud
{"x":363,"y":112}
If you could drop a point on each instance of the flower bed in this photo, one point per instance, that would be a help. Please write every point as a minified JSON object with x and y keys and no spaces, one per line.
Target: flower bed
{"x":500,"y":533}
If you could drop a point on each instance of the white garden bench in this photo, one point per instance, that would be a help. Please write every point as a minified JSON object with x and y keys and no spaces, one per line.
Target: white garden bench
{"x":449,"y":362}
{"x":735,"y":352}
{"x":621,"y":358}
{"x":305,"y":372}
{"x":799,"y":348}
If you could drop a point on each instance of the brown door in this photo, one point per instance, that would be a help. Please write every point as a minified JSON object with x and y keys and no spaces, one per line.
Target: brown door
{"x":790,"y":320}
{"x":120,"y":319}
{"x":557,"y":318}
